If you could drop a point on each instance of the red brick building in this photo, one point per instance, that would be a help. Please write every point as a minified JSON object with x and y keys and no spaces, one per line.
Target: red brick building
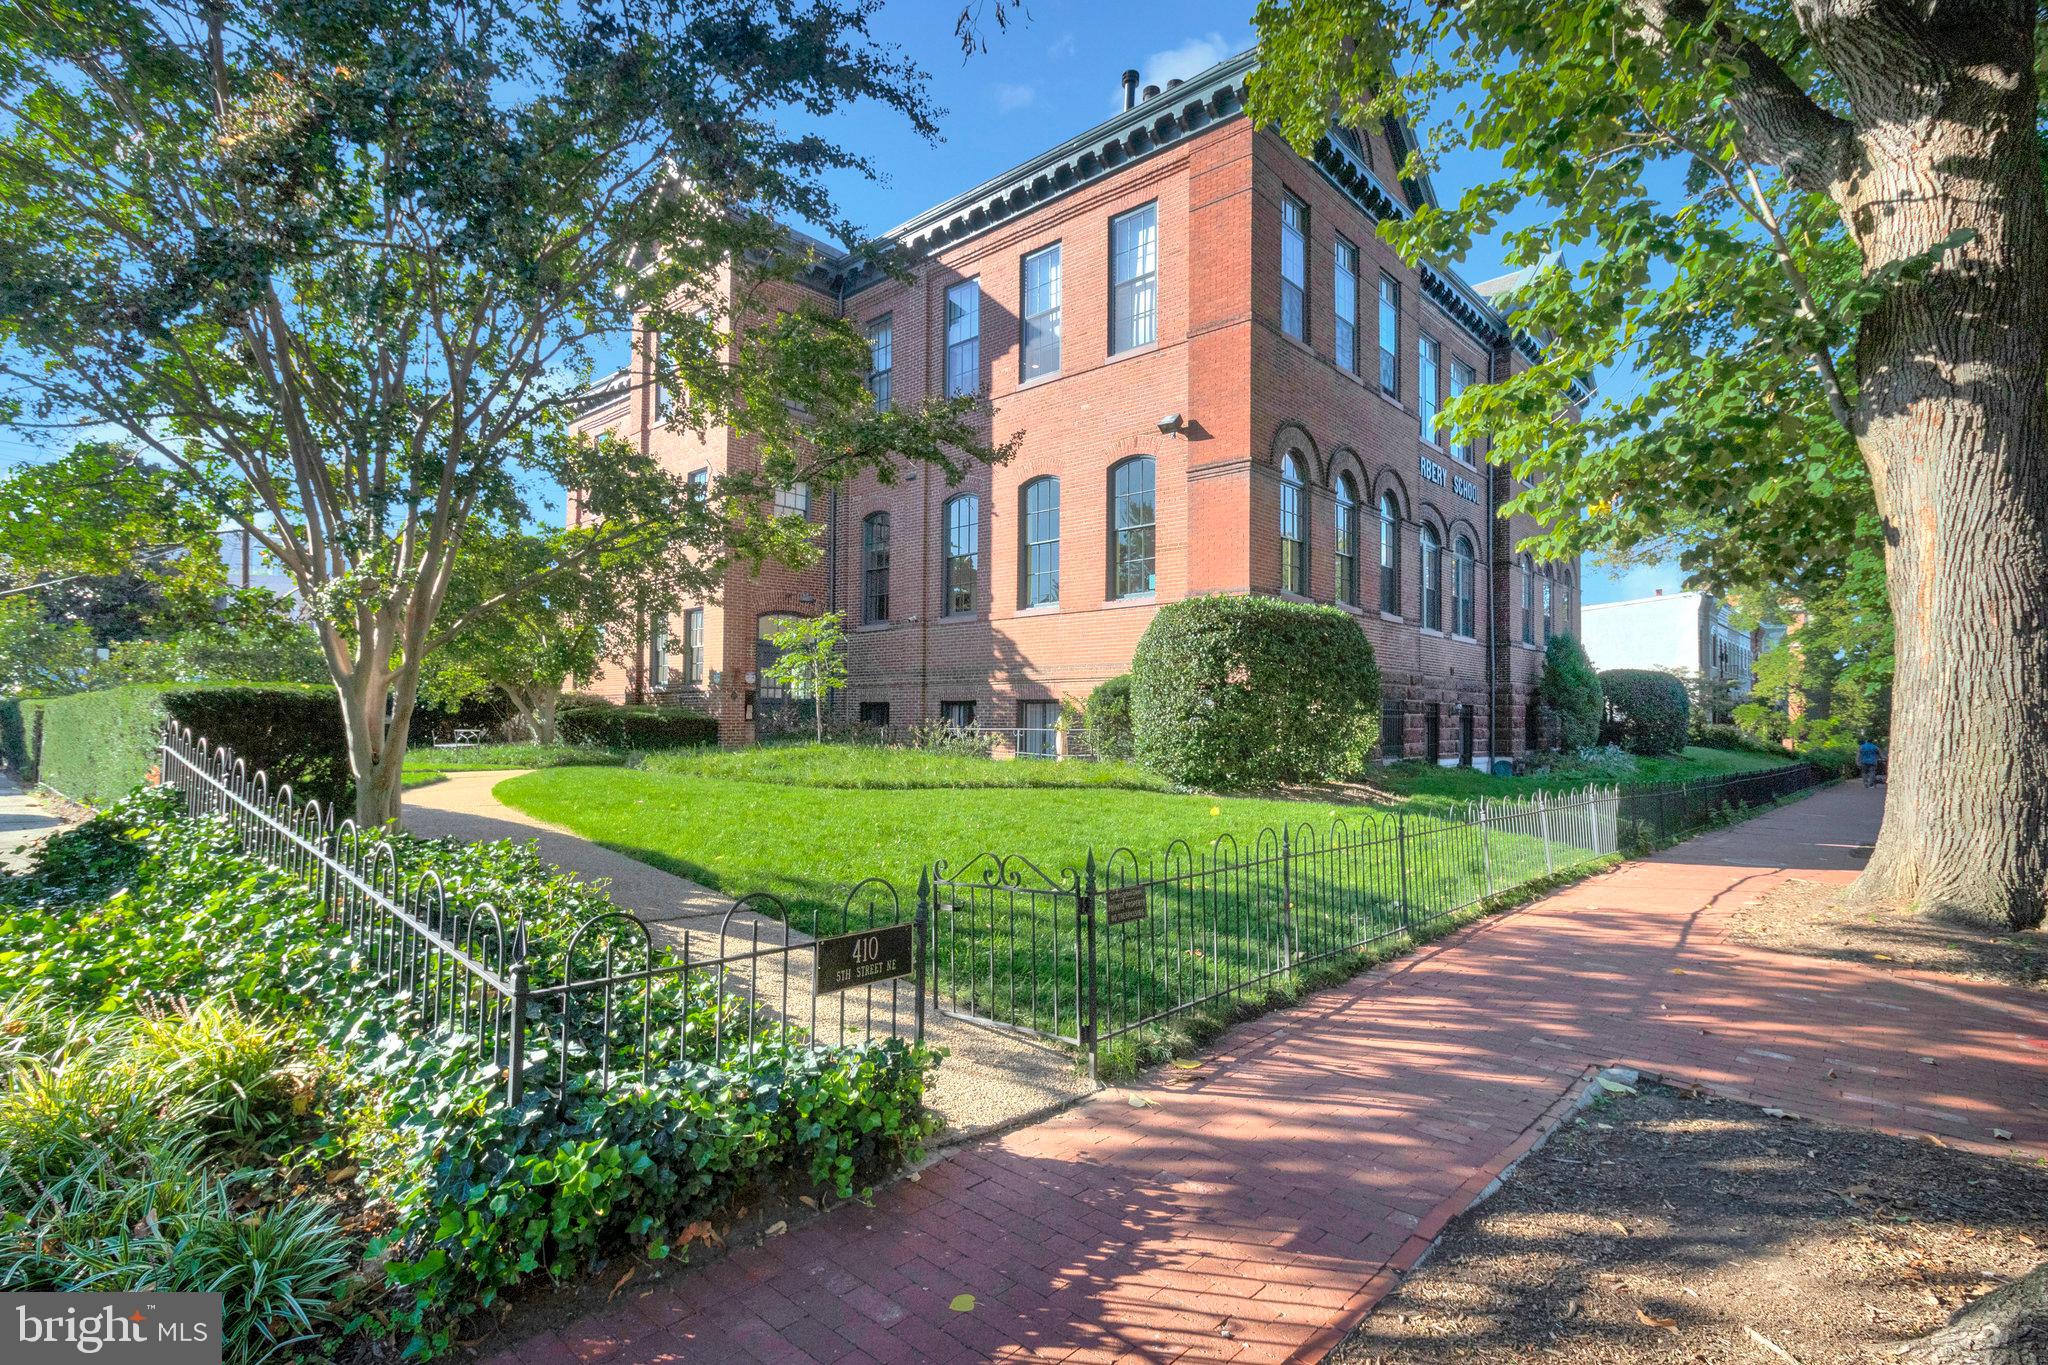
{"x":1223,"y":382}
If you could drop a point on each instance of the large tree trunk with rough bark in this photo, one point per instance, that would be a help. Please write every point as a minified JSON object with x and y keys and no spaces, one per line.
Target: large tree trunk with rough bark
{"x":1952,"y":410}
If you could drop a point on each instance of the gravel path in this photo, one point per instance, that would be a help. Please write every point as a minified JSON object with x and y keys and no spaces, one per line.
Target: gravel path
{"x":988,"y":1080}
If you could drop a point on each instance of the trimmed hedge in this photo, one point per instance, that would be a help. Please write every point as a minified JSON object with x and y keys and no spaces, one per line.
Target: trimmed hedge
{"x":635,"y":727}
{"x":1253,"y":691}
{"x":1571,"y":689}
{"x":97,"y":746}
{"x":1647,"y":711}
{"x":1108,"y":718}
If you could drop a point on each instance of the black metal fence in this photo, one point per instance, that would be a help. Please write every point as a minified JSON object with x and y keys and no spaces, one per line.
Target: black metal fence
{"x":1086,"y":955}
{"x":556,"y":1001}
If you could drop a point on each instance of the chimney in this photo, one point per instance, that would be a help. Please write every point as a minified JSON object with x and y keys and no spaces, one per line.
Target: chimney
{"x":1174,"y":84}
{"x":1151,"y":92}
{"x":1660,"y":592}
{"x":1131,"y":89}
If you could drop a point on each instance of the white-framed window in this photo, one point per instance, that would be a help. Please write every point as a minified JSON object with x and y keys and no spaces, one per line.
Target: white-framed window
{"x":1432,"y":579}
{"x":693,"y":647}
{"x":882,"y":359}
{"x":1428,"y":358}
{"x":1549,"y":607}
{"x":1037,"y":729}
{"x":1132,"y":528}
{"x":1528,"y":600}
{"x":1390,"y":555}
{"x":657,"y":653}
{"x":963,"y":554}
{"x":1134,"y":279}
{"x":1346,"y":541}
{"x":963,"y":338}
{"x":793,"y":500}
{"x":874,"y":568}
{"x":1390,"y":337}
{"x":1462,"y":377}
{"x":1294,"y":267}
{"x":1293,"y":527}
{"x":1464,"y":589}
{"x":1344,"y":304}
{"x":700,"y":484}
{"x":1039,"y":353}
{"x":1040,"y":527}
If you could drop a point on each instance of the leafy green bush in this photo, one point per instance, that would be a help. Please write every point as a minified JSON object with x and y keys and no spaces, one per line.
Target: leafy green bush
{"x":14,"y":750}
{"x":1571,"y":689}
{"x":1108,"y":718}
{"x":97,"y":746}
{"x":1647,"y":711}
{"x":1252,"y":691}
{"x":635,"y":727}
{"x":1835,"y":757}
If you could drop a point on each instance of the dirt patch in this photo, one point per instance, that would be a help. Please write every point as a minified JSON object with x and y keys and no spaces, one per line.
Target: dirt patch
{"x":1667,"y":1226}
{"x":1808,"y":917}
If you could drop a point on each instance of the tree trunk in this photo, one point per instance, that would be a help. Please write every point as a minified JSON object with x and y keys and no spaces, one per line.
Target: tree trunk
{"x":1953,"y":417}
{"x":536,"y":706}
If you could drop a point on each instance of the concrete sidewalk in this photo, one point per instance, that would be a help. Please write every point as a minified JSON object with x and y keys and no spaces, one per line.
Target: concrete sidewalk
{"x":25,"y":821}
{"x":1256,"y":1208}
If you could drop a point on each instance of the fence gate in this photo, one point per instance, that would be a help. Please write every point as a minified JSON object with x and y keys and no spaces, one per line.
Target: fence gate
{"x":1009,"y":948}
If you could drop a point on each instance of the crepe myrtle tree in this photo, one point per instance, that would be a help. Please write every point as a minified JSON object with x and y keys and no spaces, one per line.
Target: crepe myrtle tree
{"x":1818,"y":234}
{"x":340,"y":265}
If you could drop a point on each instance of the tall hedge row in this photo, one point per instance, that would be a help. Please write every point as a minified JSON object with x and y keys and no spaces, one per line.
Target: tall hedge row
{"x":635,"y":727}
{"x":1647,"y":711}
{"x":97,"y":746}
{"x":1253,"y":691}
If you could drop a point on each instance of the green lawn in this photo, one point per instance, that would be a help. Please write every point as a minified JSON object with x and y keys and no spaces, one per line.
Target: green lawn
{"x":749,"y":821}
{"x":471,"y":758}
{"x":1465,"y":784}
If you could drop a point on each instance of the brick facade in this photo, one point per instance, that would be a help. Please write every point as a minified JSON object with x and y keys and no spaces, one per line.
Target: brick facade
{"x":1248,"y":395}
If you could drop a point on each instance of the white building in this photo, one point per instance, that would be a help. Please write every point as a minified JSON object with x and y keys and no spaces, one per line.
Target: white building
{"x":1690,"y":632}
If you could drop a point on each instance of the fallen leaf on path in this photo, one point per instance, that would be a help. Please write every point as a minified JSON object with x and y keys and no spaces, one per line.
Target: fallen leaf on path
{"x":620,"y":1283}
{"x":1649,"y":1320}
{"x":775,"y":1229}
{"x":962,"y":1303}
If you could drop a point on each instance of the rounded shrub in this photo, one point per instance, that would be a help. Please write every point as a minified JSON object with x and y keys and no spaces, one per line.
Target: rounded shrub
{"x":1107,"y":718}
{"x":1253,"y":691}
{"x":1647,"y":711}
{"x":1571,"y":689}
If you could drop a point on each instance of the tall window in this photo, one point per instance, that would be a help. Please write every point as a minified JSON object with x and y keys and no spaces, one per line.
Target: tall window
{"x":1040,"y":353}
{"x":1528,"y":602}
{"x":793,"y":501}
{"x":881,"y":359}
{"x":693,"y":647}
{"x":700,"y":484}
{"x":963,"y":553}
{"x":1390,"y":555}
{"x":1549,"y":613}
{"x":1461,"y":379}
{"x":1133,"y":518}
{"x":1564,"y":599}
{"x":1134,"y":279}
{"x":1390,"y":337}
{"x":1464,"y":590}
{"x":963,"y":339}
{"x":657,"y":652}
{"x":1432,"y":579}
{"x":1347,"y":541}
{"x":1293,"y":527}
{"x":1426,"y":357}
{"x":1344,"y":304}
{"x":1041,"y":557}
{"x":1038,"y":729}
{"x":874,"y":567}
{"x":1294,"y":267}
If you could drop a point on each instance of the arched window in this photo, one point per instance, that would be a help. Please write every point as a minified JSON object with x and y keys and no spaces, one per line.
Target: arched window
{"x":1347,"y":541}
{"x":963,"y":554}
{"x":1432,"y":579}
{"x":1293,"y":528}
{"x":1549,"y":610}
{"x":1040,"y":527}
{"x":1528,"y":600}
{"x":1464,"y":590}
{"x":1390,"y":555}
{"x":874,"y":568}
{"x":1133,"y":516}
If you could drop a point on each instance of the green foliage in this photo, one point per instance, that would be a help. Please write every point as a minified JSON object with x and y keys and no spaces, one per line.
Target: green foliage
{"x":810,"y":661}
{"x":486,"y":757}
{"x":1234,"y":692}
{"x":636,"y":727}
{"x":140,"y":904}
{"x":251,"y":637}
{"x":1571,"y":689}
{"x":97,"y":746}
{"x":1647,"y":710}
{"x":1732,"y":737}
{"x":874,"y":767}
{"x":38,"y":656}
{"x":1108,"y":718}
{"x":100,"y":512}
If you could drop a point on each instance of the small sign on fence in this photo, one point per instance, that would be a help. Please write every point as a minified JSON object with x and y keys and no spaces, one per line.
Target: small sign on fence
{"x":1122,"y":904}
{"x":865,"y":958}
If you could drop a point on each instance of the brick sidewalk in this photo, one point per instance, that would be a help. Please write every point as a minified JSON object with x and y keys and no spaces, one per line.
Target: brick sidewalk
{"x":1256,"y":1208}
